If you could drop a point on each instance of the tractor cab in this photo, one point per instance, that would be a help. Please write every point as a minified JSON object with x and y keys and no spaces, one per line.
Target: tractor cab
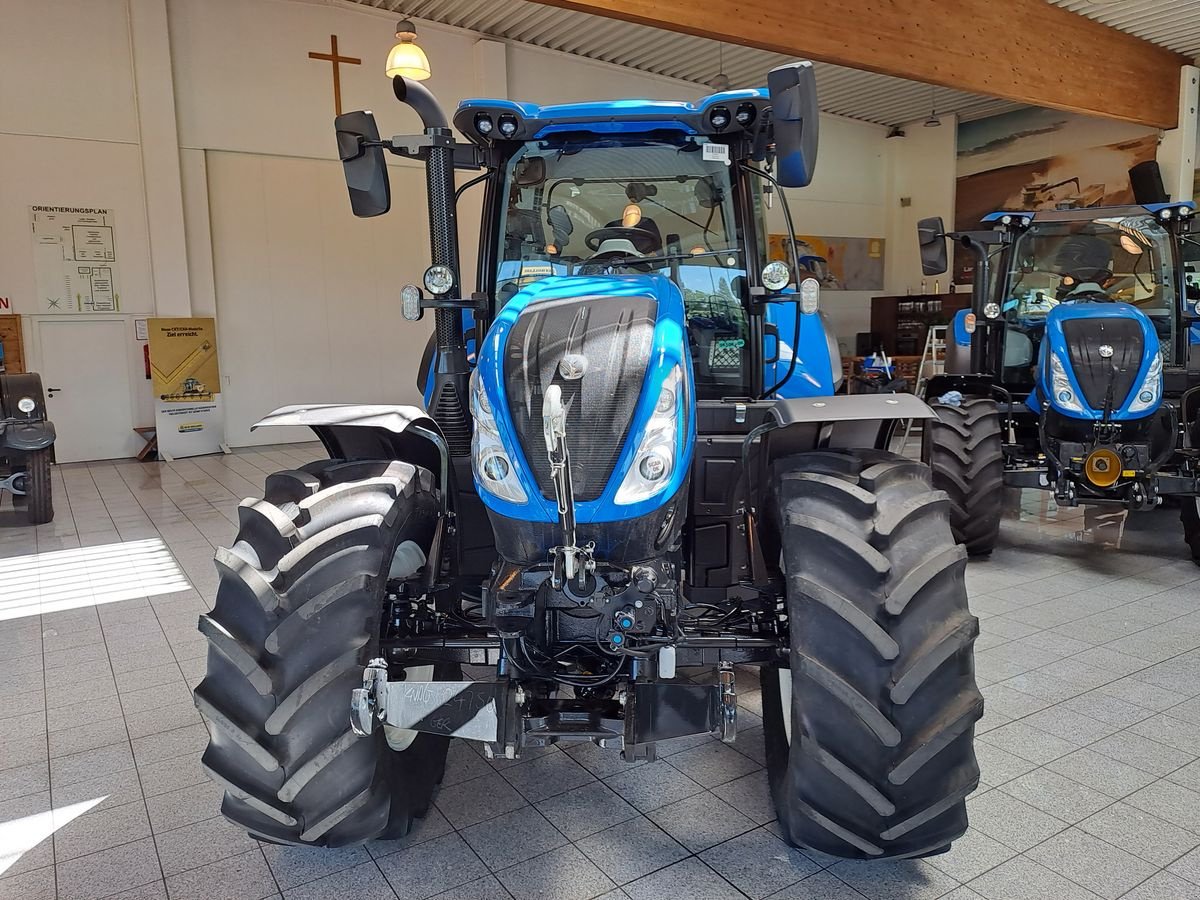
{"x":671,"y":189}
{"x":675,"y":189}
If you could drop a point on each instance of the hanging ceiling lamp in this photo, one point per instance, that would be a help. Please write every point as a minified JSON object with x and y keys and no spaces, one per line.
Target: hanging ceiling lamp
{"x":933,"y":121}
{"x":720,"y":82}
{"x":407,"y":58}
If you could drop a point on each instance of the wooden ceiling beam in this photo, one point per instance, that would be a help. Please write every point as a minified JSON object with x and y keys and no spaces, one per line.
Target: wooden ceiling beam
{"x":1028,"y":51}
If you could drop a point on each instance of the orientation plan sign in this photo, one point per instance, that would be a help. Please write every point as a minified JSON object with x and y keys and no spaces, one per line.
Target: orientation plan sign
{"x":187,"y":387}
{"x":75,"y":259}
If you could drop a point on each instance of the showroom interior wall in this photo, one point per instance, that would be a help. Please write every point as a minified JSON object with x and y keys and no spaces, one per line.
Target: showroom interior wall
{"x":305,"y":295}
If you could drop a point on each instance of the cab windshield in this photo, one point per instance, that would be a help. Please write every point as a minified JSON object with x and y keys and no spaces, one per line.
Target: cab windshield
{"x":1125,"y":259}
{"x":599,"y":206}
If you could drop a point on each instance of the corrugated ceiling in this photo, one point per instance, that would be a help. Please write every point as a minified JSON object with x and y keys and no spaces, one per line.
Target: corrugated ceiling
{"x":849,"y":92}
{"x":881,"y":99}
{"x":1174,"y":24}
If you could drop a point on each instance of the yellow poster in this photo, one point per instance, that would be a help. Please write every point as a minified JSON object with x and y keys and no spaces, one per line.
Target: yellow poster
{"x":183,"y":360}
{"x":187,"y":387}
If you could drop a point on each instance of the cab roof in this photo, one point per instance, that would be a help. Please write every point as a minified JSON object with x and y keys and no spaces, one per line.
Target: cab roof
{"x":532,"y":121}
{"x":1087,"y":213}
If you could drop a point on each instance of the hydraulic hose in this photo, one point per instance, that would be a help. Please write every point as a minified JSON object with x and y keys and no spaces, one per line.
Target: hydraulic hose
{"x":787,"y":215}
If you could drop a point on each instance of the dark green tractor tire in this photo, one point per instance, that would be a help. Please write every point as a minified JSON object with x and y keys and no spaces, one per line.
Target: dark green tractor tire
{"x":39,"y":498}
{"x":870,"y":726}
{"x":297,"y":617}
{"x":964,"y":448}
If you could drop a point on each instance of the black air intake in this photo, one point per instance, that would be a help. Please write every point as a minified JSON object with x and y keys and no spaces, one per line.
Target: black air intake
{"x":615,"y":334}
{"x":1085,"y":337}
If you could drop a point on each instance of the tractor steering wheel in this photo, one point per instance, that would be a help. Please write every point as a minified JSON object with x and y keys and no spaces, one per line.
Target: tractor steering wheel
{"x":642,"y":240}
{"x":1100,"y":296}
{"x":606,"y":264}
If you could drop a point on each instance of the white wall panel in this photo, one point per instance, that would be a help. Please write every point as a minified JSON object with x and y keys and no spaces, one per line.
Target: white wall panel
{"x":307,"y":295}
{"x":66,"y":69}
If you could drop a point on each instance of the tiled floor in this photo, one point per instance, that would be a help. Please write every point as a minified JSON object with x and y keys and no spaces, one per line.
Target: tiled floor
{"x":1089,"y":659}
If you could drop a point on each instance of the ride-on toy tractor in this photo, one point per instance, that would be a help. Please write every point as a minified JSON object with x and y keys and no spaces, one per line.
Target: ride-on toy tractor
{"x":1077,"y":368}
{"x":26,"y":441}
{"x":641,"y":467}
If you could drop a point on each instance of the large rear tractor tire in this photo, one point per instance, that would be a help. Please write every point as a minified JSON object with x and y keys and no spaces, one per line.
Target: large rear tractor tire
{"x":964,"y":448}
{"x":1190,"y":514}
{"x":870,"y":726}
{"x":297,"y":617}
{"x":39,"y":499}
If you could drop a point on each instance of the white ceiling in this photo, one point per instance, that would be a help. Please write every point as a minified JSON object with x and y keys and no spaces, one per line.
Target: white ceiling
{"x":881,"y":99}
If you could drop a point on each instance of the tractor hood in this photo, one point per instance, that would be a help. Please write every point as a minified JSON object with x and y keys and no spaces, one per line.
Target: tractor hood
{"x":616,"y":348}
{"x":1098,"y":357}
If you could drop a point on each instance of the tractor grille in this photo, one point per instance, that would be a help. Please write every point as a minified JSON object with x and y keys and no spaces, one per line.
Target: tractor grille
{"x":1085,"y":337}
{"x":615,"y":334}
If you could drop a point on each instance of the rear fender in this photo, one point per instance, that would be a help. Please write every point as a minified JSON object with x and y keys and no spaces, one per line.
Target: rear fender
{"x":843,"y":421}
{"x":362,"y":431}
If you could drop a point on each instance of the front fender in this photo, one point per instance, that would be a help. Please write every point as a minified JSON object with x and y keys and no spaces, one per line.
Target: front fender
{"x":843,"y":421}
{"x":27,"y":436}
{"x":370,"y":431}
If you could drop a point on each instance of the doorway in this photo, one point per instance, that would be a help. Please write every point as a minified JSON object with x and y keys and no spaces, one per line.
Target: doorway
{"x":84,"y":364}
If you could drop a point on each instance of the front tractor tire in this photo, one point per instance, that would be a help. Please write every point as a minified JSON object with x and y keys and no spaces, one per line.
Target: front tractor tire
{"x":38,"y":498}
{"x":964,"y":449}
{"x":870,"y":726}
{"x":297,"y":617}
{"x":1190,"y":514}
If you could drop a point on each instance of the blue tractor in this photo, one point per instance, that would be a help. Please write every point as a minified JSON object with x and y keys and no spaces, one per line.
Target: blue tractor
{"x":1077,"y":368}
{"x":631,"y":460}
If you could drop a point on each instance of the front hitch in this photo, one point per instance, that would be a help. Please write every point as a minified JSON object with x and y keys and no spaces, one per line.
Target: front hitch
{"x":569,"y":560}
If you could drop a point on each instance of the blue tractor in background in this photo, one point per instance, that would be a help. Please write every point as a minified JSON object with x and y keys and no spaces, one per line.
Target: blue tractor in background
{"x":1077,"y":368}
{"x":630,"y":461}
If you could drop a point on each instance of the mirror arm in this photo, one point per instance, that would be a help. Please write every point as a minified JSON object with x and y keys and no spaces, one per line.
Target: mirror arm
{"x":416,"y":146}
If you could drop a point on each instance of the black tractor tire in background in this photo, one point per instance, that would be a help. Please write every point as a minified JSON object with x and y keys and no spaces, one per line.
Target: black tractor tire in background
{"x":964,"y":448}
{"x":1190,"y":514}
{"x":297,"y":617}
{"x":870,"y":727}
{"x":38,"y":499}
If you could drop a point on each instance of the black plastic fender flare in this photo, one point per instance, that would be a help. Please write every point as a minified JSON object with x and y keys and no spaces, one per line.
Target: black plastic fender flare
{"x":371,"y":431}
{"x":27,"y":436}
{"x":842,"y":421}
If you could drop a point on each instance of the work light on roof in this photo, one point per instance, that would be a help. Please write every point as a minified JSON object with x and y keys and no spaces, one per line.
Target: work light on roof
{"x":507,"y":125}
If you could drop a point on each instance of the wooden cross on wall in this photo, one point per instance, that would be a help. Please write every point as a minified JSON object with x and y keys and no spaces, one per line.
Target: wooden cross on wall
{"x":332,"y":57}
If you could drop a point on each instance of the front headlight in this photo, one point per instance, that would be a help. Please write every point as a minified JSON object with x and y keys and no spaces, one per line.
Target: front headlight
{"x":657,"y":454}
{"x":1062,"y":395}
{"x":1150,"y":390}
{"x":810,"y":296}
{"x":494,"y":470}
{"x":26,"y":405}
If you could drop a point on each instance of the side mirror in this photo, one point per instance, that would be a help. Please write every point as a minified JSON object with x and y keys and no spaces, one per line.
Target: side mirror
{"x":364,"y":165}
{"x":931,"y":235}
{"x":796,"y":120}
{"x":530,"y":172}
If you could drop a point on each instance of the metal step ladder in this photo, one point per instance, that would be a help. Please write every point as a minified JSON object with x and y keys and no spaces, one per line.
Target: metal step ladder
{"x":933,"y":362}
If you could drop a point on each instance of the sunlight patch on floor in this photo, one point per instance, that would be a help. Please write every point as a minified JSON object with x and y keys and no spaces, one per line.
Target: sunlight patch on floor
{"x":58,"y":580}
{"x":21,"y":835}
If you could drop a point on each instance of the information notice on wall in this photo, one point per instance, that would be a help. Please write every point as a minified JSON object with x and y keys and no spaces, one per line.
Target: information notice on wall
{"x":187,"y":387}
{"x":75,"y":259}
